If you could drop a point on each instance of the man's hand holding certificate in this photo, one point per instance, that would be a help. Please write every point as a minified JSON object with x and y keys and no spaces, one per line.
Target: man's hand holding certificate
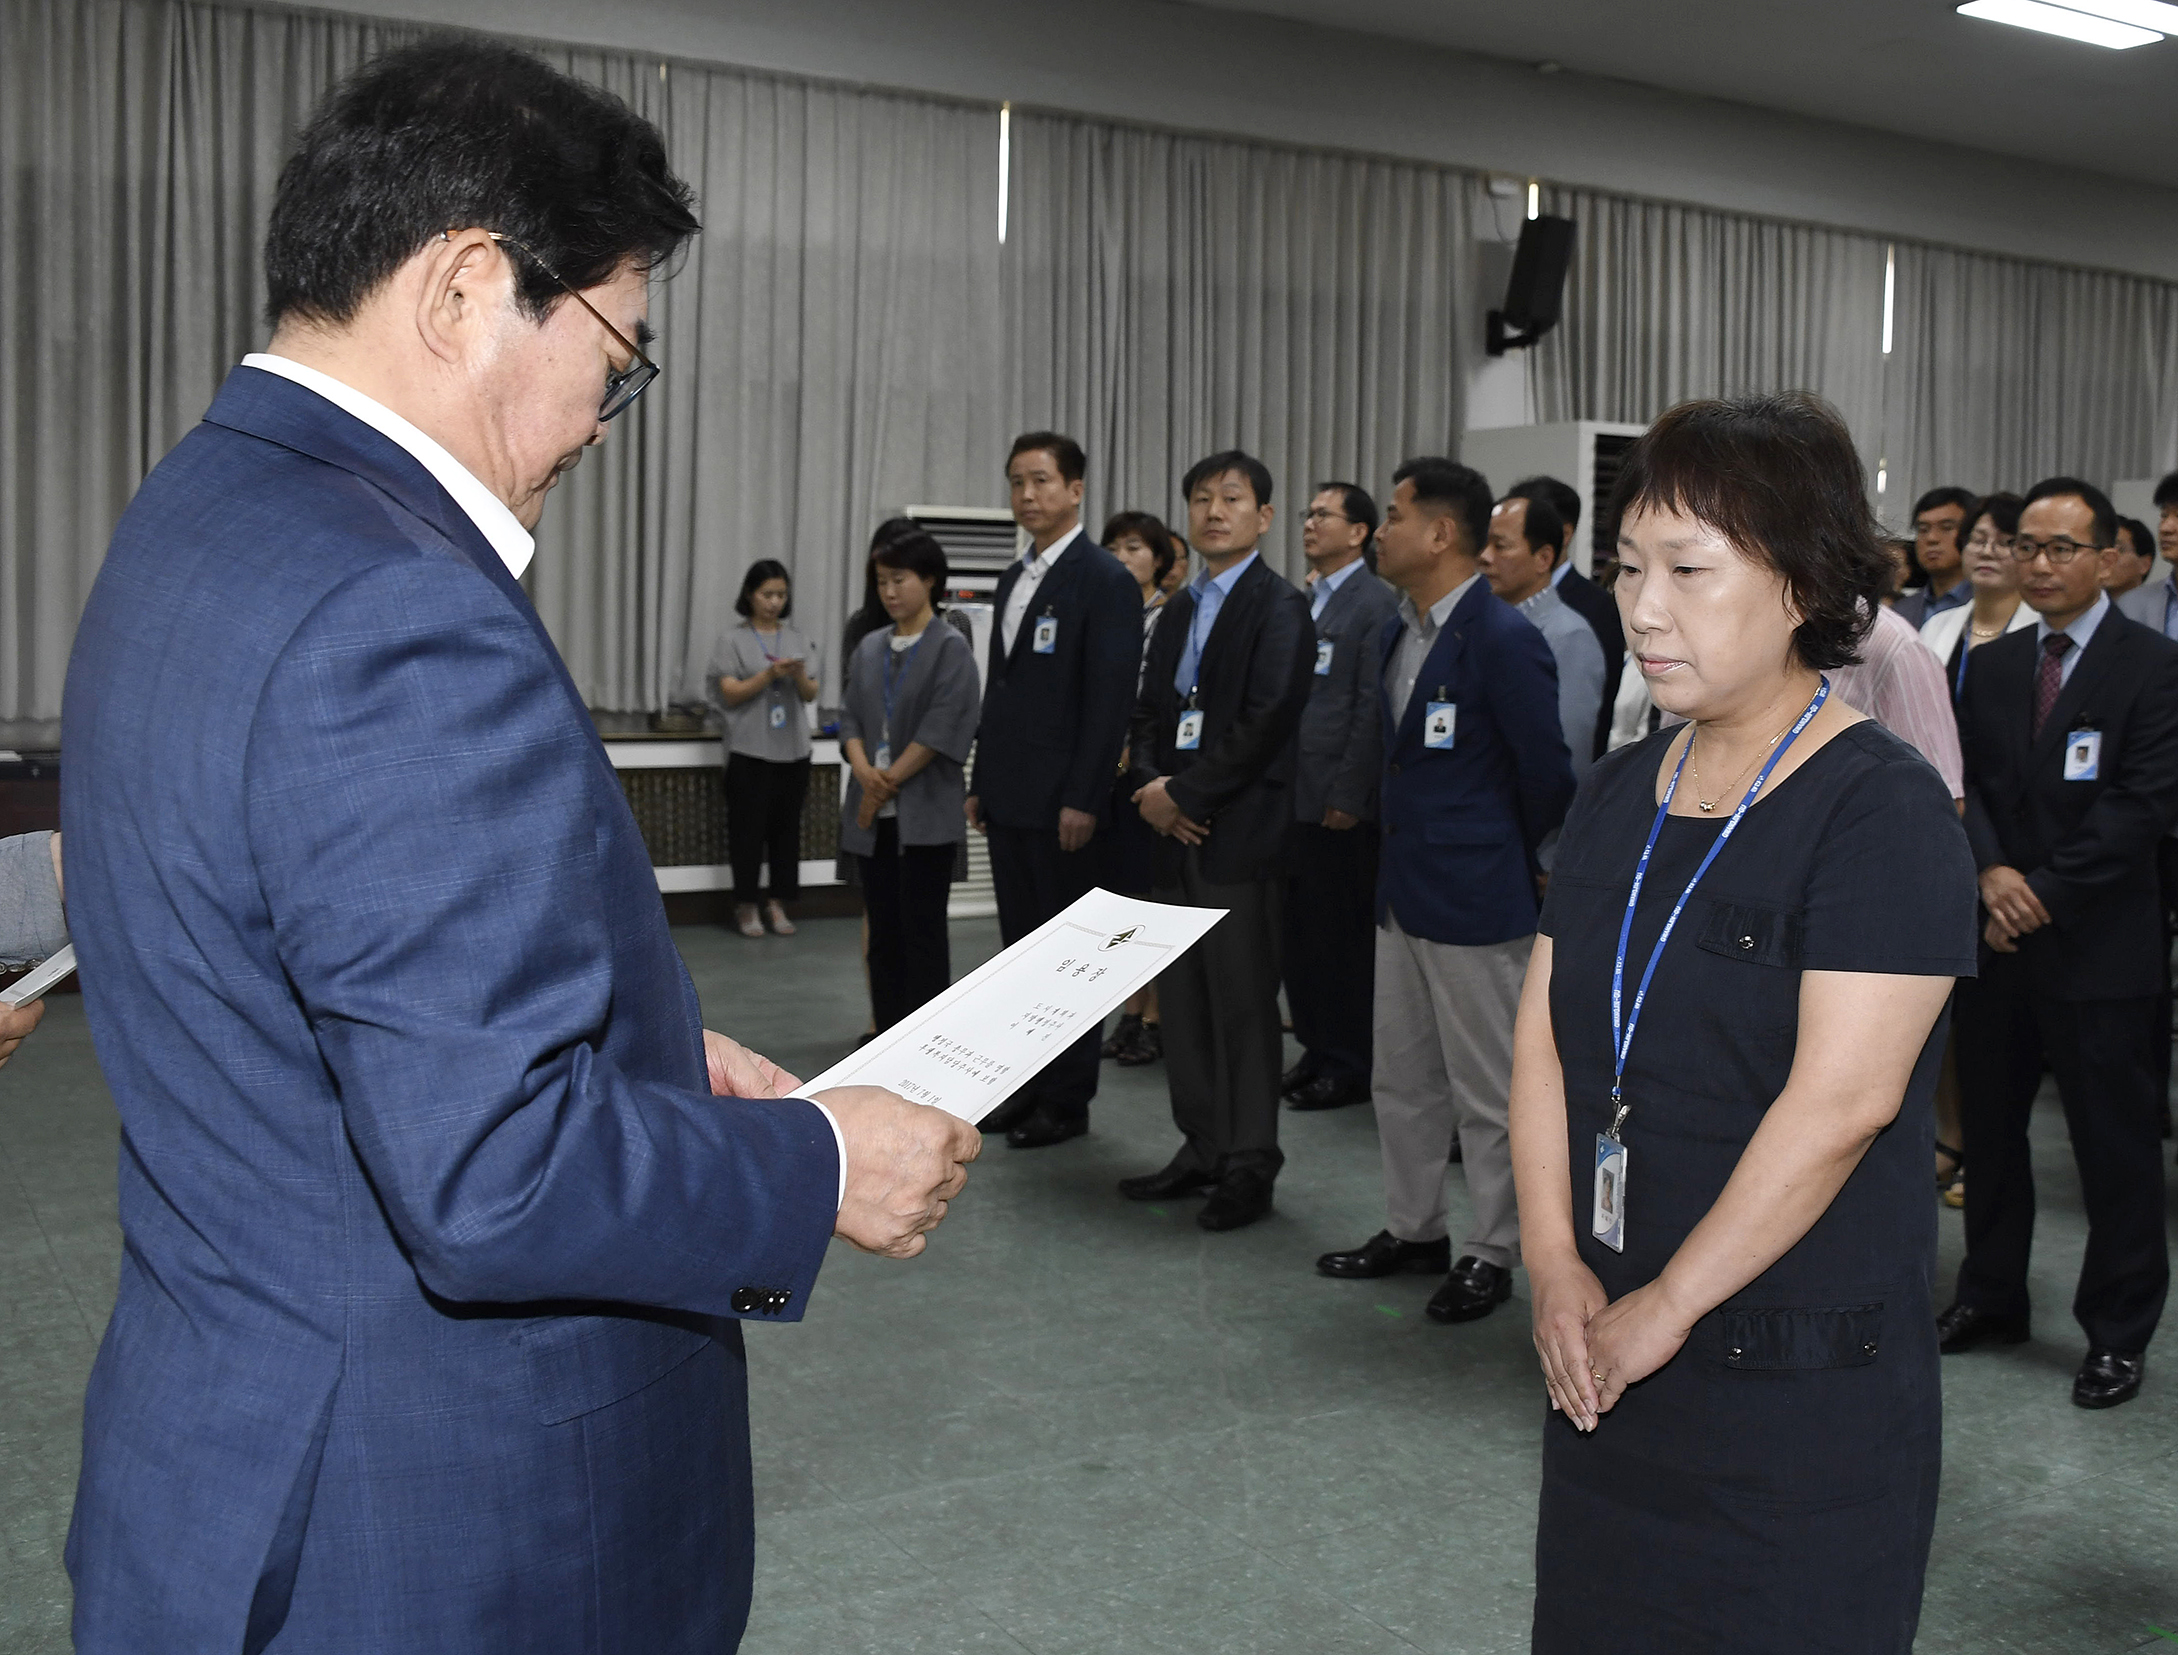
{"x":970,"y":1049}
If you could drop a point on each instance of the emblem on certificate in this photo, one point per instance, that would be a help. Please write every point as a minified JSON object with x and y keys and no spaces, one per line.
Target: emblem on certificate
{"x":1607,"y":1219}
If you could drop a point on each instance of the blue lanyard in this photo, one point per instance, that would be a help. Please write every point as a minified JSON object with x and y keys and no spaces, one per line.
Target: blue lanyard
{"x":1966,"y":648}
{"x":897,"y":664}
{"x":1622,"y":1038}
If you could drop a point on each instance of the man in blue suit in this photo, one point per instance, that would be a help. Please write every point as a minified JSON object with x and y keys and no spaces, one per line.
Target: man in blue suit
{"x":1476,"y":774}
{"x":441,"y":1208}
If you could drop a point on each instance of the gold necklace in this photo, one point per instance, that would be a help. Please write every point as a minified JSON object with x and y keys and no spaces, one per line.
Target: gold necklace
{"x":1694,"y":771}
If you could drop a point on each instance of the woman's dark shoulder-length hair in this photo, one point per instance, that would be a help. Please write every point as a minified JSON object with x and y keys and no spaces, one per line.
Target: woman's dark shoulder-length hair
{"x":1778,"y":477}
{"x":920,"y":554}
{"x":763,"y":569}
{"x":1150,"y":530}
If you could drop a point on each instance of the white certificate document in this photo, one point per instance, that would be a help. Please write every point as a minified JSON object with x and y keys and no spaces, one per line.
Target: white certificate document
{"x":983,"y":1039}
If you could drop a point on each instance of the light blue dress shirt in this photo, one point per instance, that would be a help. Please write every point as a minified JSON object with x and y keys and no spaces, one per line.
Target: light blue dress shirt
{"x":1320,"y":594}
{"x":1210,"y":596}
{"x":2080,"y":631}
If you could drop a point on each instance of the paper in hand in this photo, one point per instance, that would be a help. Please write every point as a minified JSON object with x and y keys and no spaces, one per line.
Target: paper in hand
{"x":28,"y":987}
{"x":983,"y":1039}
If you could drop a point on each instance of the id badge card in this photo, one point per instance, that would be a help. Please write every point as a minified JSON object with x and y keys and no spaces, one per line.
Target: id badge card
{"x":1437,"y":725}
{"x":882,"y":758}
{"x":778,"y":715}
{"x":1324,"y":648}
{"x":1045,"y":639}
{"x":1190,"y":733}
{"x":1607,"y":1219}
{"x":2083,"y":756}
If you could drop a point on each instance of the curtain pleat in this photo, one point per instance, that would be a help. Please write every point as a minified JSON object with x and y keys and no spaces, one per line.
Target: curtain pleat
{"x":848,"y":336}
{"x":1168,"y":296}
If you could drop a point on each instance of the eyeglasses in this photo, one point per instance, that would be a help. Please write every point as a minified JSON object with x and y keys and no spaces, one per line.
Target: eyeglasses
{"x":2059,"y":552}
{"x":1316,"y":514}
{"x":622,"y":385}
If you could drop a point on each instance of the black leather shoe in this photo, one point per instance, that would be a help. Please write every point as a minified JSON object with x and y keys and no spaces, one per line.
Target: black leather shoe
{"x":1384,"y":1254}
{"x":1328,"y":1092}
{"x":1472,"y":1291}
{"x":1242,"y":1196}
{"x":1962,"y":1327}
{"x":1147,"y":1046}
{"x":1045,"y":1127}
{"x":1170,"y":1184}
{"x":2105,"y":1379}
{"x":1297,"y":1077}
{"x":1007,"y":1115}
{"x":1122,"y":1037}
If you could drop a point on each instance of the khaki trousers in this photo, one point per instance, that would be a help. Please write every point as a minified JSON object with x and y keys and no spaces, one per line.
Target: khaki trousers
{"x":1443,"y":1068}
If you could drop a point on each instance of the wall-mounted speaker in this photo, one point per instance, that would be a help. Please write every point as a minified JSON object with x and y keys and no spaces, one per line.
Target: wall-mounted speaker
{"x":1536,"y":292}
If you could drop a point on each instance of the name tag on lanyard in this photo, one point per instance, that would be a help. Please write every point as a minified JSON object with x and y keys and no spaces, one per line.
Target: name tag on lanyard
{"x":2083,"y":756}
{"x":778,"y":715}
{"x":1045,"y":639}
{"x":1324,"y":648}
{"x":1189,"y":736}
{"x":1607,"y":1217}
{"x":1438,"y":722}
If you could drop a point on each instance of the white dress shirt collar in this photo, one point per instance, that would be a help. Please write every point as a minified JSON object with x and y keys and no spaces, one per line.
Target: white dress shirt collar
{"x":1051,"y":554}
{"x":1320,"y":594}
{"x":485,"y":509}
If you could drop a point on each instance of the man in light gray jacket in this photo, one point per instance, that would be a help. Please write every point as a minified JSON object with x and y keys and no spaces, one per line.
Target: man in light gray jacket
{"x":1331,"y":895}
{"x":32,"y":925}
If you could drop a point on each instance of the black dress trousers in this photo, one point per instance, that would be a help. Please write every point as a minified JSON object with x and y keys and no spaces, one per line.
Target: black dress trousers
{"x":2103,"y":1054}
{"x":1330,"y":946}
{"x":1033,"y":880}
{"x":1219,"y":1002}
{"x":904,"y":891}
{"x":764,"y":824}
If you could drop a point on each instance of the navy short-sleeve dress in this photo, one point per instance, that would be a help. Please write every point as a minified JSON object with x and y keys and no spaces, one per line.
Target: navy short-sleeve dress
{"x":1773,"y":1487}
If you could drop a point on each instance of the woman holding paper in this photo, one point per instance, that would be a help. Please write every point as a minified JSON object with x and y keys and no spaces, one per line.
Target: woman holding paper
{"x":1724,"y":1063}
{"x":907,"y":720}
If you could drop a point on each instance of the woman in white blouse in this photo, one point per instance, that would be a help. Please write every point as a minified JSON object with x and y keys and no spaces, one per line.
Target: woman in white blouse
{"x":1986,"y":549}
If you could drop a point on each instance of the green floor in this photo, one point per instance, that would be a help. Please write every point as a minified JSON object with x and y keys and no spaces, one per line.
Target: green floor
{"x":1080,"y":1425}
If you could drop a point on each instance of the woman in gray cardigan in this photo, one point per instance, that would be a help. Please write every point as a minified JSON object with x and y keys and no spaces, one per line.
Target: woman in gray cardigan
{"x":907,"y":719}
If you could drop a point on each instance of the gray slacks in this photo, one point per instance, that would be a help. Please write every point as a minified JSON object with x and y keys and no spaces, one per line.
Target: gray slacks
{"x":1443,"y":1069}
{"x":1223,"y":1044}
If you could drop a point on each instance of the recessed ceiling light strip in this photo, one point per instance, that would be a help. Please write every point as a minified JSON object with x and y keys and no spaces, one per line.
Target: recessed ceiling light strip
{"x":2158,"y":15}
{"x":2061,"y":20}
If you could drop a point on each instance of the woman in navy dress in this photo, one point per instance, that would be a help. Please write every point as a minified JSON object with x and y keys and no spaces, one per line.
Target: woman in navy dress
{"x":1723,"y":1180}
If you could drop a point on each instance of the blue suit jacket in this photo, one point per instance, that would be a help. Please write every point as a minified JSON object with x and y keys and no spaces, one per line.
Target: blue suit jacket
{"x":1461,"y":824}
{"x":434,"y":1238}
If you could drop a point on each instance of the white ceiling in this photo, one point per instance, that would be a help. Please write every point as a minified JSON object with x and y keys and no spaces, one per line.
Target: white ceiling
{"x":1909,"y":66}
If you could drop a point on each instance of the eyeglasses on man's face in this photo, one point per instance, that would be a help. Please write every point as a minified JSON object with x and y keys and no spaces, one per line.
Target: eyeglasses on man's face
{"x":2060,"y":551}
{"x":1320,"y":514}
{"x":622,"y":385}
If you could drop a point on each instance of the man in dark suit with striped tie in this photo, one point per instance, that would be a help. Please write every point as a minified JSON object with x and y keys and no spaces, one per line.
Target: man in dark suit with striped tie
{"x":2070,"y":737}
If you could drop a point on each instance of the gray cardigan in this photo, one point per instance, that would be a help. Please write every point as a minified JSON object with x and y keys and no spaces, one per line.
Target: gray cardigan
{"x":937,"y":702}
{"x":32,"y":926}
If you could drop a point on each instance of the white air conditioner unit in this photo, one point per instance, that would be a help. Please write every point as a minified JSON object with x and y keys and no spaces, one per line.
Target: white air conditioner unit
{"x":1582,"y":453}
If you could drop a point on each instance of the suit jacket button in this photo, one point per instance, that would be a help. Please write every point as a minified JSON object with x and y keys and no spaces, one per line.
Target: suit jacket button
{"x":779,"y":1300}
{"x":745,"y":1300}
{"x":1395,"y":769}
{"x":1746,"y":942}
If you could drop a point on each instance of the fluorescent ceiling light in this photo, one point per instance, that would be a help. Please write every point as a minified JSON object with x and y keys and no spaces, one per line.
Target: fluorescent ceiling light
{"x":2142,"y":14}
{"x":2057,"y":20}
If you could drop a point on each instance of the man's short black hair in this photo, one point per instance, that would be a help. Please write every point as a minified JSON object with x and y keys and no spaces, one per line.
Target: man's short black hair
{"x":2052,"y":488}
{"x":1458,"y":489}
{"x":920,"y":554}
{"x":1540,"y":526}
{"x":1936,"y":498}
{"x":1217,"y":465}
{"x":1562,"y":498}
{"x":1065,"y":452}
{"x":763,"y":569}
{"x":456,"y":132}
{"x":2142,"y":537}
{"x":1146,"y":527}
{"x":1778,"y":477}
{"x":2166,"y":492}
{"x":1354,"y":501}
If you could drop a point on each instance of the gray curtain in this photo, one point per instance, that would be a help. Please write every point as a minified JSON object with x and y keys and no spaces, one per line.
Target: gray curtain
{"x":849,"y":336}
{"x":2005,"y":372}
{"x":1667,"y":302}
{"x":831,"y":346}
{"x":1168,"y":296}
